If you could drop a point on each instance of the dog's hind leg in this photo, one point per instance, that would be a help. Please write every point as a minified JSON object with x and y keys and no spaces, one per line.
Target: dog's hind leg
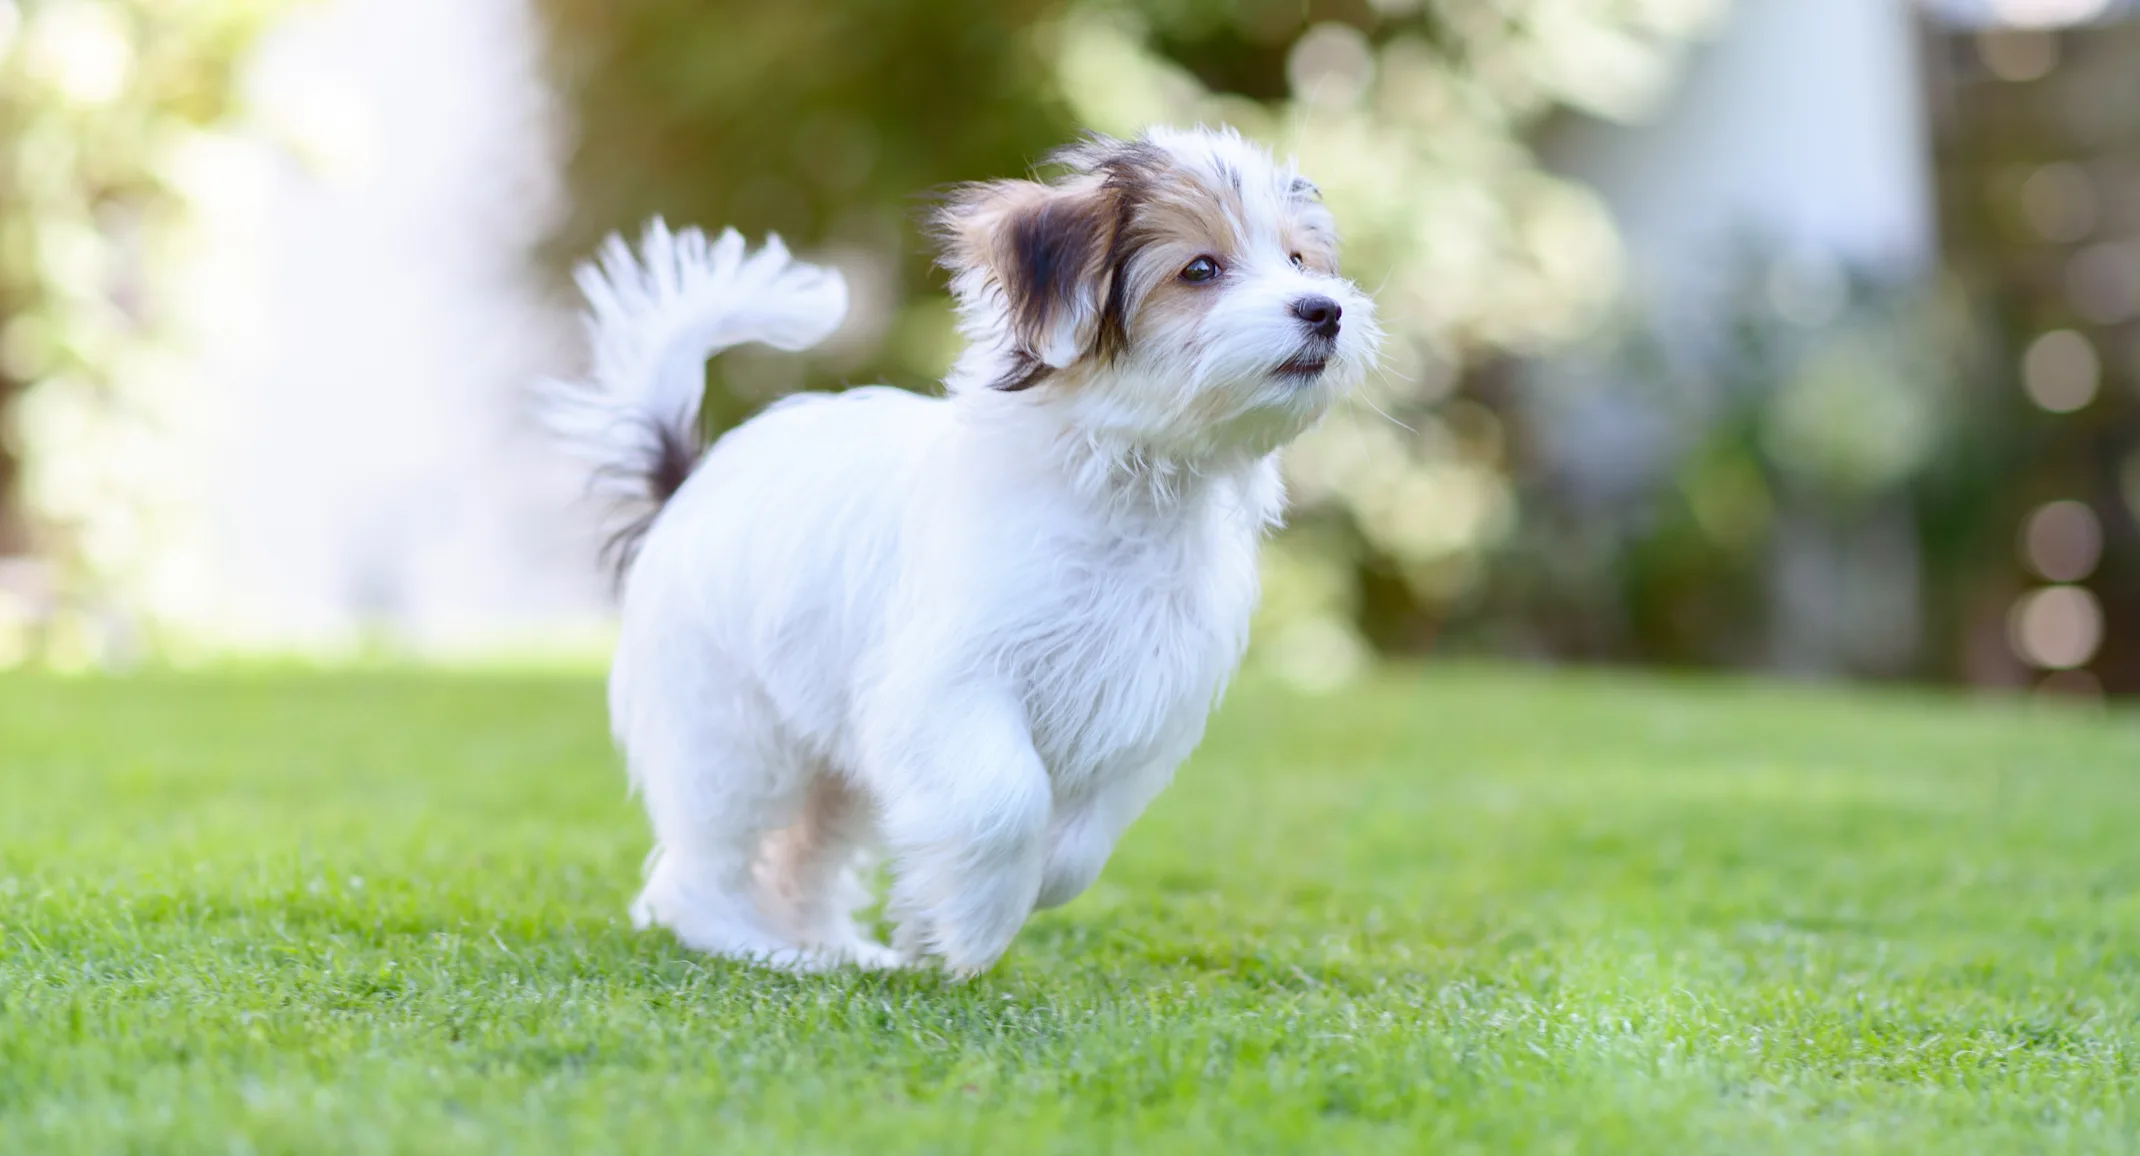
{"x":807,"y":873}
{"x":713,"y":788}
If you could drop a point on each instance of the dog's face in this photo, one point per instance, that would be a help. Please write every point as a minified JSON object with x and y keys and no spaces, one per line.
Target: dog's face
{"x":1181,"y":289}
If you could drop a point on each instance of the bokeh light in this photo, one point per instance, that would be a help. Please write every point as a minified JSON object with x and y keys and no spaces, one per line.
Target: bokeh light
{"x":81,"y":49}
{"x":1330,"y":64}
{"x":2061,"y":371}
{"x":2057,"y":627}
{"x":2062,"y":541}
{"x":2048,"y":13}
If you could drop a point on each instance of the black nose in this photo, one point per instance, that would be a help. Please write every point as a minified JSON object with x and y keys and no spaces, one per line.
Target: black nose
{"x":1321,"y":314}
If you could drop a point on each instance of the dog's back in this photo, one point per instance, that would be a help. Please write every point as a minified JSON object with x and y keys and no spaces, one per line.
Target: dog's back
{"x":775,"y":563}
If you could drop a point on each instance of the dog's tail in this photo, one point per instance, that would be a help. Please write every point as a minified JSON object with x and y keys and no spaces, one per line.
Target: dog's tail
{"x":653,"y":318}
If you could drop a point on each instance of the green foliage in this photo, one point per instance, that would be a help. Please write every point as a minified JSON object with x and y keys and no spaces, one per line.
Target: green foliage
{"x":822,"y":120}
{"x":96,"y":98}
{"x":1817,"y":416}
{"x":1468,"y":910}
{"x":791,"y":117}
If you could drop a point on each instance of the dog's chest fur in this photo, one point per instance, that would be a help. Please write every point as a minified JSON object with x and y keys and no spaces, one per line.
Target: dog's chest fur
{"x":1132,"y":635}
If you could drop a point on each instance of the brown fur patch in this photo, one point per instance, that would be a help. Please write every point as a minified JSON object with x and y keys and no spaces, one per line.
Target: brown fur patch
{"x":1049,"y":249}
{"x":1317,"y":248}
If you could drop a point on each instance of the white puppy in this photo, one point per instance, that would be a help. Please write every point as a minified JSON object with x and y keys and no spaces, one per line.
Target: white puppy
{"x":977,"y":632}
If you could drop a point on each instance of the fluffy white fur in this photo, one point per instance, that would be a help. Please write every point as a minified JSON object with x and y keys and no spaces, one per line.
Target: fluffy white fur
{"x":975,"y":632}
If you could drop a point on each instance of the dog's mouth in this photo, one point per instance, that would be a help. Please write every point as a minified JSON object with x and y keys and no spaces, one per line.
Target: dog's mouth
{"x":1305,"y":366}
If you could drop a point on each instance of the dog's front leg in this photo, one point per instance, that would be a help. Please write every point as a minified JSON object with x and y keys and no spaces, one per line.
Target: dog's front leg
{"x":1082,"y":834}
{"x":965,"y":803}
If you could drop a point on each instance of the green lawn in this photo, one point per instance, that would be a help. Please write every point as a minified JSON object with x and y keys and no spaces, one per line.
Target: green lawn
{"x":1465,"y":910}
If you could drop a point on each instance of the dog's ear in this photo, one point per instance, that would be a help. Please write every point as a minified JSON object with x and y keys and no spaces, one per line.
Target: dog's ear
{"x":1047,"y":251}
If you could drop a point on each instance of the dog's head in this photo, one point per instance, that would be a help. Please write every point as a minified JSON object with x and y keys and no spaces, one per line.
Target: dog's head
{"x":1180,"y":289}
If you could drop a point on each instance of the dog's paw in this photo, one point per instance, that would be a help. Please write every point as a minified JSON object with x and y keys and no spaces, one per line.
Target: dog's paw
{"x":871,"y":956}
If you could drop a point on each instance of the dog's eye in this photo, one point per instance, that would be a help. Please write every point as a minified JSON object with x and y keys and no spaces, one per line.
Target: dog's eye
{"x":1201,"y":269}
{"x":1299,"y":262}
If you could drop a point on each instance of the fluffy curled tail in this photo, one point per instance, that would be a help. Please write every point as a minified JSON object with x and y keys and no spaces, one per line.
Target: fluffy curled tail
{"x":653,"y":318}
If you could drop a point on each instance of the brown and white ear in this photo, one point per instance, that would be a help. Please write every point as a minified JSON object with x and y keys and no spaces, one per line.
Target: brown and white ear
{"x":1046,"y":249}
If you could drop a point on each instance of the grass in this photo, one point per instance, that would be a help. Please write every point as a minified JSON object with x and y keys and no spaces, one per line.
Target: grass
{"x":1460,"y":910}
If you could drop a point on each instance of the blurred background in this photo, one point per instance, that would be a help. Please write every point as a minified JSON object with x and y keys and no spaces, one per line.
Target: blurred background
{"x":1791,"y":335}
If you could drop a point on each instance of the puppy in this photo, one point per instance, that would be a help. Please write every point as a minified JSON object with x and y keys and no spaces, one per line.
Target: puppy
{"x":978,"y":632}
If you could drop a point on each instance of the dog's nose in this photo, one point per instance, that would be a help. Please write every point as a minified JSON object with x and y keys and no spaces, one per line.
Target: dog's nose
{"x":1321,"y":314}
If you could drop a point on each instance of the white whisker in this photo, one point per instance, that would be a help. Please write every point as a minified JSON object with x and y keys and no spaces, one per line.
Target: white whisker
{"x":1370,"y":403}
